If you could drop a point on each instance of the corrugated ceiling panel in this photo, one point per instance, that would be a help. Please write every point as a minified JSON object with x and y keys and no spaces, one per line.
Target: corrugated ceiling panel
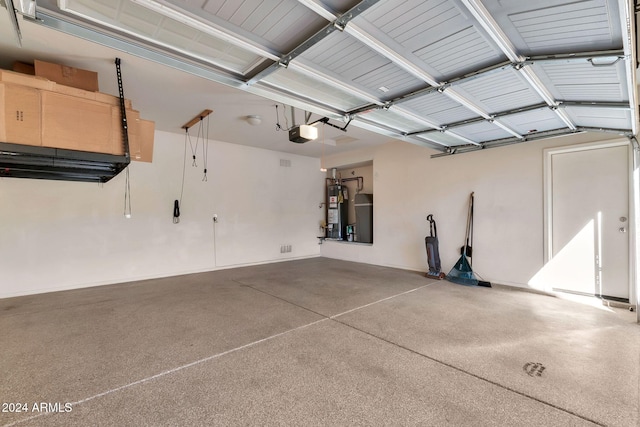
{"x":439,"y":33}
{"x":410,"y":22}
{"x":348,"y":59}
{"x":533,"y":121}
{"x":93,"y":8}
{"x":442,"y":138}
{"x":283,"y":23}
{"x":558,"y":26}
{"x":459,"y":53}
{"x":439,"y":36}
{"x":608,"y":118}
{"x":314,"y":90}
{"x":139,"y":20}
{"x":155,"y":28}
{"x":438,"y":108}
{"x":584,"y":82}
{"x":394,"y":120}
{"x":571,"y":23}
{"x":176,"y":34}
{"x":481,"y":132}
{"x":499,"y":91}
{"x":224,"y":53}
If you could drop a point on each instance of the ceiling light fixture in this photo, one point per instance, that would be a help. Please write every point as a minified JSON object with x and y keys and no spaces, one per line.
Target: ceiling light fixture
{"x":253,"y":120}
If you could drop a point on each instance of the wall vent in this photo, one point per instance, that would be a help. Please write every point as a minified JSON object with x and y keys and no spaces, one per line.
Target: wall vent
{"x":285,"y":163}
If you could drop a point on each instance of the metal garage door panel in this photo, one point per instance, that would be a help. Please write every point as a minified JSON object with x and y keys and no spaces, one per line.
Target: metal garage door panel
{"x":552,"y":26}
{"x":481,"y":132}
{"x":539,"y":120}
{"x":314,"y":90}
{"x":441,"y":34}
{"x":351,"y":61}
{"x":394,"y":120}
{"x":499,"y":91}
{"x":443,"y":139}
{"x":224,"y":54}
{"x":160,"y":30}
{"x":438,"y":108}
{"x":582,"y":81}
{"x":104,"y":9}
{"x":279,"y":25}
{"x":606,"y":118}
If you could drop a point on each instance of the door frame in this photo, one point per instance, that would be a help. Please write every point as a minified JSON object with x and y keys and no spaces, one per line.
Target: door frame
{"x":634,"y":283}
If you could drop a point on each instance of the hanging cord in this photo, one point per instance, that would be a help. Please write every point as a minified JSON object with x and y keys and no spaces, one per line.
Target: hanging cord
{"x":322,"y":168}
{"x":177,"y":203}
{"x":127,"y":195}
{"x":286,"y":120}
{"x":184,"y":164}
{"x":193,"y":151}
{"x":205,"y":149}
{"x":278,"y":127}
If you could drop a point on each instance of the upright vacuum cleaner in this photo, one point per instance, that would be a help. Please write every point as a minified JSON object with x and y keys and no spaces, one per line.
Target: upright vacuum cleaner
{"x":433,"y":254}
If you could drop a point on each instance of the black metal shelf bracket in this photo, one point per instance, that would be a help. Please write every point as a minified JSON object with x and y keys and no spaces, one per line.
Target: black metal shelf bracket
{"x":123,"y":111}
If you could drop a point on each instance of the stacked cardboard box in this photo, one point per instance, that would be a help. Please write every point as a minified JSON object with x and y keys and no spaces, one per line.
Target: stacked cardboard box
{"x":35,"y":110}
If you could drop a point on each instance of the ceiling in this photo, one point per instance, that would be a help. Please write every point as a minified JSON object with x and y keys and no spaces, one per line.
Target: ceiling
{"x":452,"y":75}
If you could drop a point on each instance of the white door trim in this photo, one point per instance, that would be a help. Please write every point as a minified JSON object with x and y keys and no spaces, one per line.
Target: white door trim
{"x":634,"y":292}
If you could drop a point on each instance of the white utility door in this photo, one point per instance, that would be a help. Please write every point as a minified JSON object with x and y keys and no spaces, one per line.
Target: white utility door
{"x":589,"y":224}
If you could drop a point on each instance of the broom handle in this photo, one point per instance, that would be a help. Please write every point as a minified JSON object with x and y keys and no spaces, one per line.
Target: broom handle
{"x":466,"y":234}
{"x":471,"y":229}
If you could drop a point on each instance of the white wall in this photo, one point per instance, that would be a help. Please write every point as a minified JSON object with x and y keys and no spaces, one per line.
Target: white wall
{"x":408,"y":185}
{"x":61,"y":235}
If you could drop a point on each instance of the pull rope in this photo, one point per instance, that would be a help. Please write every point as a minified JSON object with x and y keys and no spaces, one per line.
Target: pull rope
{"x":127,"y":195}
{"x":193,"y":151}
{"x":205,"y":149}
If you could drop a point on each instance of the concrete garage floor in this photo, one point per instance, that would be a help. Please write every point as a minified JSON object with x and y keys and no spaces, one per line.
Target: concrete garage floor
{"x":315,"y":342}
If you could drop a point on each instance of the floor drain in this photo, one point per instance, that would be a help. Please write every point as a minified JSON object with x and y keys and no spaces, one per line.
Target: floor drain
{"x":534,"y":369}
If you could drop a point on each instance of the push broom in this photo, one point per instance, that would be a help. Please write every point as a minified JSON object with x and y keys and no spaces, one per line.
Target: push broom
{"x":462,"y":273}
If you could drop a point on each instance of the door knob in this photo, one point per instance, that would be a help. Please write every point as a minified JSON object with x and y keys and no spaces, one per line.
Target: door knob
{"x":622,"y":229}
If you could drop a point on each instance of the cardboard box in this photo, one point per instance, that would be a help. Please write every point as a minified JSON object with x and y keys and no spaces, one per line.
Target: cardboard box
{"x":19,"y":114}
{"x":77,"y":124}
{"x":24,"y":68}
{"x":146,"y":130}
{"x":7,"y":76}
{"x":86,"y":94}
{"x":68,"y":76}
{"x":112,"y":100}
{"x":141,"y":135}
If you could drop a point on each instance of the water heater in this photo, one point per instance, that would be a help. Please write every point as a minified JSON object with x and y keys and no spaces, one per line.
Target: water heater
{"x":337,"y":197}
